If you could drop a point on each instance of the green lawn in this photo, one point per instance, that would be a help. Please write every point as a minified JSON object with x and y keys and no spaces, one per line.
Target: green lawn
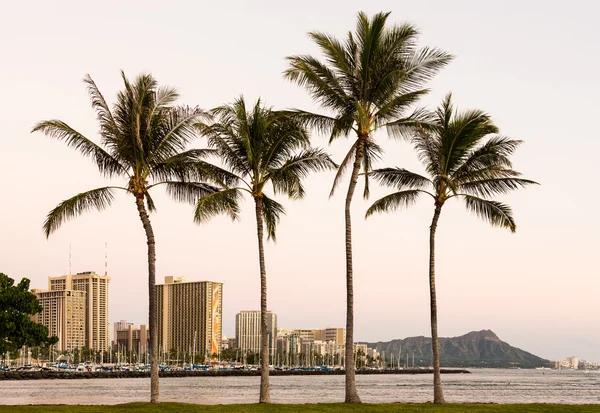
{"x":309,"y":408}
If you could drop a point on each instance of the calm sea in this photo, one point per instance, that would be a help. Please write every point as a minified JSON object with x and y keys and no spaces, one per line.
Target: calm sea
{"x":483,"y":385}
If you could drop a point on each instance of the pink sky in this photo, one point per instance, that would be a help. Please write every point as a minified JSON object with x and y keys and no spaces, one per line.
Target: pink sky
{"x":532,"y":65}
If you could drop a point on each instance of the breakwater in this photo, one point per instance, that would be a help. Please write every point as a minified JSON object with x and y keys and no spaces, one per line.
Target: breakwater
{"x":48,"y":375}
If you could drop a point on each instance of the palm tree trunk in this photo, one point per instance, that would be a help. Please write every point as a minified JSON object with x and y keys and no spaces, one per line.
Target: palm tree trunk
{"x":351,"y":393}
{"x":265,"y":396}
{"x":438,"y":393}
{"x":152,"y":313}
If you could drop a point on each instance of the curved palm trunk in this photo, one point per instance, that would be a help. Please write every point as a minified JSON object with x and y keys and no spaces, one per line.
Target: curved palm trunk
{"x":265,"y":396}
{"x":438,"y":393}
{"x":152,"y":316}
{"x":351,"y":393}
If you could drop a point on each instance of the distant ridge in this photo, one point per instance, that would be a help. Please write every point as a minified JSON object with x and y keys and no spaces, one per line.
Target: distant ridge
{"x":475,"y":349}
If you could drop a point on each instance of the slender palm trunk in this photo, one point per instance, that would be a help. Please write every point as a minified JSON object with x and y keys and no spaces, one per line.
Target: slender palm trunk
{"x":438,"y":392}
{"x":152,"y":316}
{"x":265,"y":396}
{"x":351,"y":393}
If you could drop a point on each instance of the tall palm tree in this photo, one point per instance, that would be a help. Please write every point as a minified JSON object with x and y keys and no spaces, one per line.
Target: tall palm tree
{"x":463,"y":162}
{"x":260,"y":146}
{"x":143,"y":140}
{"x":368,"y":82}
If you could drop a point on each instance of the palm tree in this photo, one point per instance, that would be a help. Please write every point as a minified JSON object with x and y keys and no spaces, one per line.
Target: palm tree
{"x":463,"y":162}
{"x":143,"y":140}
{"x":368,"y":82}
{"x":260,"y":146}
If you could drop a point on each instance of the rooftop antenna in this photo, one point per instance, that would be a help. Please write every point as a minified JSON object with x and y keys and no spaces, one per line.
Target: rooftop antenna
{"x":105,"y":258}
{"x":69,"y":258}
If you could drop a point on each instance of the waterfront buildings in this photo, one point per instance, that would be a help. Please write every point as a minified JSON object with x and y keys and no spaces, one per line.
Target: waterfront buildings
{"x":570,"y":363}
{"x":372,"y":353}
{"x":329,"y":343}
{"x":247,"y":331}
{"x":75,"y":309}
{"x":189,"y":316}
{"x":95,"y":286}
{"x":228,"y":343}
{"x":120,"y":326}
{"x":63,"y":313}
{"x":573,"y":363}
{"x":132,"y":338}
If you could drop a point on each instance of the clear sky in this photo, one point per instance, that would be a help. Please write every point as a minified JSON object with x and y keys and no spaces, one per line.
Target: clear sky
{"x":533,"y":65}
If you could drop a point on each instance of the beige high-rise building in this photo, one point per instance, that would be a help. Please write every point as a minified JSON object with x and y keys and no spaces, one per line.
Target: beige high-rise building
{"x":63,"y":313}
{"x":335,"y":334}
{"x":97,"y":328}
{"x":189,"y":316}
{"x":247,"y":331}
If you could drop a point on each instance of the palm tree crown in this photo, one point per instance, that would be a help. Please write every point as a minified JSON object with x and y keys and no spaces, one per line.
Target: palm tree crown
{"x":259,"y":146}
{"x":463,"y":162}
{"x":368,"y":81}
{"x":143,"y":139}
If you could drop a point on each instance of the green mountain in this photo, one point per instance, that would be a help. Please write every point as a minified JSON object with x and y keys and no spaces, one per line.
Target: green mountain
{"x":474,"y":349}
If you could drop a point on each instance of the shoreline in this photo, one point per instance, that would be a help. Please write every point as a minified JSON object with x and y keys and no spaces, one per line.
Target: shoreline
{"x":57,"y":375}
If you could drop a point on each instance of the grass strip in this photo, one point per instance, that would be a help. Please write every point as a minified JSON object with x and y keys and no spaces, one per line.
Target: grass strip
{"x":305,"y":408}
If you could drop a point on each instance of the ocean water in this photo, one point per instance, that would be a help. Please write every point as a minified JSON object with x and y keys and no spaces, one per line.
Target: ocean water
{"x":482,"y":385}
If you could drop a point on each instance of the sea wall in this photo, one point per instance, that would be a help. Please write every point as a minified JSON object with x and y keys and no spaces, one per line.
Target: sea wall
{"x":45,"y":375}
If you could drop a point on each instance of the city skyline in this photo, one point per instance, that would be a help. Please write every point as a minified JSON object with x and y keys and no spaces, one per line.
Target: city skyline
{"x":535,"y":288}
{"x":130,"y":335}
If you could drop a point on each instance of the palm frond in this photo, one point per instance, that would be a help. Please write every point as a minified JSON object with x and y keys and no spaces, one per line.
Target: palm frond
{"x":400,"y":178}
{"x":494,"y":212}
{"x":99,"y":198}
{"x":337,"y":55}
{"x":177,"y":131}
{"x":150,"y":203}
{"x":493,"y":186}
{"x":424,"y":65}
{"x":225,"y":140}
{"x":272,"y":212}
{"x":288,"y":178}
{"x":368,"y":37}
{"x":394,"y":201}
{"x":190,"y":166}
{"x":109,"y":131}
{"x":188,"y":192}
{"x":494,"y":153}
{"x":283,"y":136}
{"x":388,"y":114}
{"x":348,"y":159}
{"x":321,"y":123}
{"x":420,"y":120}
{"x":225,"y":201}
{"x":321,"y":81}
{"x":56,"y":129}
{"x":462,"y":131}
{"x":429,"y":151}
{"x":371,"y":153}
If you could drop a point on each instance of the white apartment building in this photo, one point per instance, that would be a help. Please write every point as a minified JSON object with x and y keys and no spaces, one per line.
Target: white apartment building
{"x":247,"y":331}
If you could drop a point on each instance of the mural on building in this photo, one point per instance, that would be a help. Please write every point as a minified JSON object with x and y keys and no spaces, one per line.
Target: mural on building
{"x":216,"y":316}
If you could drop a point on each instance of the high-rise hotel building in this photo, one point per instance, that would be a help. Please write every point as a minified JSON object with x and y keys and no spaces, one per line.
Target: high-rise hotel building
{"x":95,"y":286}
{"x":63,"y":313}
{"x":189,"y":315}
{"x":247,"y":331}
